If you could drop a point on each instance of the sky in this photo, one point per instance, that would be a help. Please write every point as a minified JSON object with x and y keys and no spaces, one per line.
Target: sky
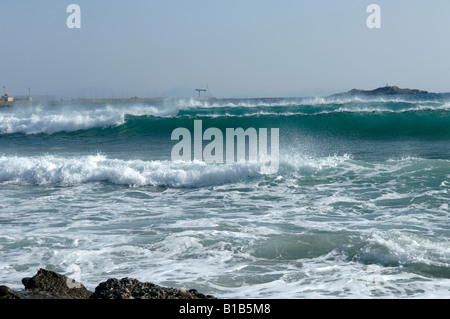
{"x":246,"y":48}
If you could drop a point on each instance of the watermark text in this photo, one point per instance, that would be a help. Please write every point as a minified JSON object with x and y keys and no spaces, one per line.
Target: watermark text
{"x":236,"y":148}
{"x":374,"y":19}
{"x":74,"y":19}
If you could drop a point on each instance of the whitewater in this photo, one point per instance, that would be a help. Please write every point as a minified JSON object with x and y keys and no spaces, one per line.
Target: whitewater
{"x":359,"y":206}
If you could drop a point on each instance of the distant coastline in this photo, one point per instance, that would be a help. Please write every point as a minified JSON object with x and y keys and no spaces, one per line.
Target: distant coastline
{"x":381,"y":91}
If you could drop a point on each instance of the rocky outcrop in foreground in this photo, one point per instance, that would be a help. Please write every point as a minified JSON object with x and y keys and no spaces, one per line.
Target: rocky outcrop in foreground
{"x":50,"y":285}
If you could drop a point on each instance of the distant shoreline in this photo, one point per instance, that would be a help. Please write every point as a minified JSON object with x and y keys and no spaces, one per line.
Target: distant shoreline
{"x":381,"y":91}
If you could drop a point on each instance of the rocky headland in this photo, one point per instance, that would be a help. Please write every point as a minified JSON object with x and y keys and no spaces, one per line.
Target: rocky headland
{"x":381,"y":91}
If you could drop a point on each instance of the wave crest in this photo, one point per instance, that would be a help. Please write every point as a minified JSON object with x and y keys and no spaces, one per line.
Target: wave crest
{"x":52,"y":170}
{"x":49,"y":169}
{"x":71,"y":118}
{"x":68,"y":118}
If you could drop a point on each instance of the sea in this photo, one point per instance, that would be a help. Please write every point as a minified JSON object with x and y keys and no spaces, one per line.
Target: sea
{"x":357,"y":208}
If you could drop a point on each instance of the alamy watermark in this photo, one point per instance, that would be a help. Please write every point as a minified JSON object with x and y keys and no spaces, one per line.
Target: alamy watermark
{"x":374,"y":279}
{"x":74,"y":19}
{"x":213,"y":152}
{"x":374,"y":19}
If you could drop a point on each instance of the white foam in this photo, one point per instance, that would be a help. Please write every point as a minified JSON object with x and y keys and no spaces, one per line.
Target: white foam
{"x":378,"y":109}
{"x":411,"y":248}
{"x":69,"y":118}
{"x":48,"y":169}
{"x":186,"y":103}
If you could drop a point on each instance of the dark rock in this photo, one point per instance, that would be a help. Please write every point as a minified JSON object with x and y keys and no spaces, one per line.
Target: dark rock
{"x":25,"y":281}
{"x":129,"y":288}
{"x":48,"y":284}
{"x":7,"y":293}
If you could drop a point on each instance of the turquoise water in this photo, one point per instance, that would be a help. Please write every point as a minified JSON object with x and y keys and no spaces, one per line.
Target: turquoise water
{"x":357,"y":209}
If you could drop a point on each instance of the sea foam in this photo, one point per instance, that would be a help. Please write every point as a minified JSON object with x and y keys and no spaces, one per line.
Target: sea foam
{"x":57,"y":170}
{"x":48,"y":169}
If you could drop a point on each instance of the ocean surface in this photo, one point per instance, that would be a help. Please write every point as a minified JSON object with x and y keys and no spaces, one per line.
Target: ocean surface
{"x":358,"y":208}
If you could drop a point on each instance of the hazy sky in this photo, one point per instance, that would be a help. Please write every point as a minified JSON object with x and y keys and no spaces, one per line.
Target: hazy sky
{"x":245,"y":48}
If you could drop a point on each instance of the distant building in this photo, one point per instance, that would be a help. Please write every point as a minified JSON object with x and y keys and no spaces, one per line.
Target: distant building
{"x":6,"y":98}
